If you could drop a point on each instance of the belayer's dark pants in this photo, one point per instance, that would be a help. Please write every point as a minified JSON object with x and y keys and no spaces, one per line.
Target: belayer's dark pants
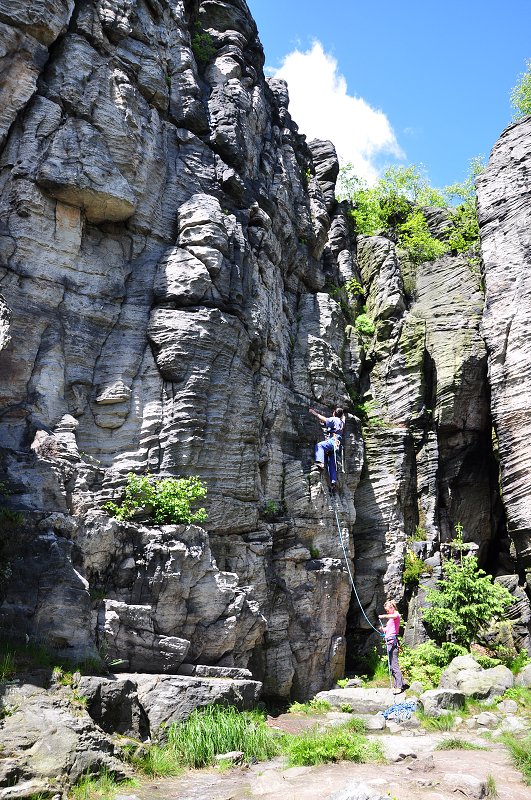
{"x":392,"y":652}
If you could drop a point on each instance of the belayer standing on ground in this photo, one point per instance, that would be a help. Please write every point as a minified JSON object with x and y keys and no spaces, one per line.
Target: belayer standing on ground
{"x":391,"y":642}
{"x":327,"y":448}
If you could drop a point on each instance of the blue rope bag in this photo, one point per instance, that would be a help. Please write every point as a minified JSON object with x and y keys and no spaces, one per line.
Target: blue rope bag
{"x":400,"y":711}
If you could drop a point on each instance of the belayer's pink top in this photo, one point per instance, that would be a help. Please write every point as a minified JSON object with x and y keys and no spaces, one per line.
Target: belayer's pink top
{"x":392,"y":627}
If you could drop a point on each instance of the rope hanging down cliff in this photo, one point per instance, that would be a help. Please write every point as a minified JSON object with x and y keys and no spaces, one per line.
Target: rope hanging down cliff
{"x":345,"y":554}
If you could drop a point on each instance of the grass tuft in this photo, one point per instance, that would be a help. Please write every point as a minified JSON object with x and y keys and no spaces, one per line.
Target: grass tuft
{"x":339,"y":744}
{"x":492,"y":791}
{"x":209,"y":732}
{"x":520,"y":750}
{"x":443,"y":723}
{"x":103,"y":787}
{"x":313,"y":707}
{"x":458,"y":744}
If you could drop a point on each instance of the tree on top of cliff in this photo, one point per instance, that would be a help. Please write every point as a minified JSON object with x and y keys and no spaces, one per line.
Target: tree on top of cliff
{"x":396,"y":205}
{"x":521,"y":94}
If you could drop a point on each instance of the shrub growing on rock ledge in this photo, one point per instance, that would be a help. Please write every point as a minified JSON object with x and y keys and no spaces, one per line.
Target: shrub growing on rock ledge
{"x":163,"y":500}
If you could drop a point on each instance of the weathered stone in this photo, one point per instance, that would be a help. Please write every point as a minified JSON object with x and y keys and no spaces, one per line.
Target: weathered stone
{"x":487,"y":719}
{"x":436,"y":702}
{"x":503,"y":213}
{"x":524,"y":677}
{"x":113,"y":703}
{"x":467,"y":676}
{"x":172,"y":698}
{"x":48,"y":739}
{"x":362,"y":701}
{"x":467,"y":785}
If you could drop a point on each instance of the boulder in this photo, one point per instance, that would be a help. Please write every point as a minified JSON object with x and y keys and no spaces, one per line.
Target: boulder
{"x":361,"y":701}
{"x":465,"y":785}
{"x":467,"y":676}
{"x":524,"y":677}
{"x":44,"y":737}
{"x":436,"y":702}
{"x":114,"y":705}
{"x":172,"y":698}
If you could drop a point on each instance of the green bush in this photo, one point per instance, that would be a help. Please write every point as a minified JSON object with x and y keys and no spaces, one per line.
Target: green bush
{"x":202,"y":46}
{"x":519,"y":662}
{"x":396,"y":202}
{"x":521,"y":94}
{"x":414,"y":567}
{"x":354,"y":289}
{"x":364,"y":325}
{"x":164,"y":500}
{"x":521,"y":695}
{"x":466,"y":601}
{"x":426,"y":662}
{"x":339,"y":744}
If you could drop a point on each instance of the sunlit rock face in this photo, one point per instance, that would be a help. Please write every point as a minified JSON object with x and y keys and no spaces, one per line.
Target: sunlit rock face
{"x":171,"y":263}
{"x":504,"y":209}
{"x":164,"y":251}
{"x":429,"y":463}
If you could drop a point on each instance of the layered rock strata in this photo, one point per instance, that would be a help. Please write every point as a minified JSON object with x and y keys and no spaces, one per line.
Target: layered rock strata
{"x":164,"y":253}
{"x":504,"y":211}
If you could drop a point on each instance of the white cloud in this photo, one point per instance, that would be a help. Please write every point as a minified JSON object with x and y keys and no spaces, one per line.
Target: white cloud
{"x":323,"y":109}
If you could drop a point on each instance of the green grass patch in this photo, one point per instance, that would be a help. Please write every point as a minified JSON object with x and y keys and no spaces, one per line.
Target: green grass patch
{"x":443,"y":723}
{"x":338,"y":744}
{"x":158,"y":761}
{"x":520,"y":750}
{"x":103,"y":787}
{"x":208,"y":732}
{"x":458,"y":744}
{"x":313,"y":707}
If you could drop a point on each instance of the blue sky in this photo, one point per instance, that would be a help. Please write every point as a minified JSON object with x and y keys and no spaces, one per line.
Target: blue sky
{"x":424,"y":82}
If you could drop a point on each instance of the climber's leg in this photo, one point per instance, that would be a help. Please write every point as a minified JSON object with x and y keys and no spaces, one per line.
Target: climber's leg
{"x":320,"y":449}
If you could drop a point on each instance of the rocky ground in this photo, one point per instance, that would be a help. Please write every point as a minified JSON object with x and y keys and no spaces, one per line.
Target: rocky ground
{"x":416,"y":770}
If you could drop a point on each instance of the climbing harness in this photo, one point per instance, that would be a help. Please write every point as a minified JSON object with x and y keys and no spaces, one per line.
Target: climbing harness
{"x":345,"y":554}
{"x":400,"y":711}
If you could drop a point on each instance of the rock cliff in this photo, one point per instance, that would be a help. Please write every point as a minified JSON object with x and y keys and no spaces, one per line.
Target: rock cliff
{"x":173,"y":264}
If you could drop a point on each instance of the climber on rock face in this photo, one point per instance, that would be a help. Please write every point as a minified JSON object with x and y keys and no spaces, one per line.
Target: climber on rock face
{"x":325,"y":451}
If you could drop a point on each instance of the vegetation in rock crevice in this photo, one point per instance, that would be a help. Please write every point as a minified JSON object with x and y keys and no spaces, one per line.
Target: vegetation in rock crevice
{"x":162,"y":500}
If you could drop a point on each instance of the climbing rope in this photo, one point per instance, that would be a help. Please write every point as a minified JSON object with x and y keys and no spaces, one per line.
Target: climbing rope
{"x":345,"y":554}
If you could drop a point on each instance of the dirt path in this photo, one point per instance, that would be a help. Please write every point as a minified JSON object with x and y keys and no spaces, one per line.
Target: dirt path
{"x":425,"y":774}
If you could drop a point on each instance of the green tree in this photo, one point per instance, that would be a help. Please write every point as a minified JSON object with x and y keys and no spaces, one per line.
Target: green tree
{"x":467,"y":598}
{"x":521,"y":94}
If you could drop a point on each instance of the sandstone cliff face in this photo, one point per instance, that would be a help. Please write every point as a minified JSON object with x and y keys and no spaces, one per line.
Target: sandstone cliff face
{"x":171,"y":259}
{"x":164,"y":250}
{"x":503,"y":211}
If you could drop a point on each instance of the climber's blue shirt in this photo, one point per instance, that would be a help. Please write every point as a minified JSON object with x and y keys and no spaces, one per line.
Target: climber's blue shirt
{"x":334,"y":425}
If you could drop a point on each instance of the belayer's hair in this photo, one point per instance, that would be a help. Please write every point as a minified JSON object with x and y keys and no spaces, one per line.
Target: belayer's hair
{"x":338,"y":412}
